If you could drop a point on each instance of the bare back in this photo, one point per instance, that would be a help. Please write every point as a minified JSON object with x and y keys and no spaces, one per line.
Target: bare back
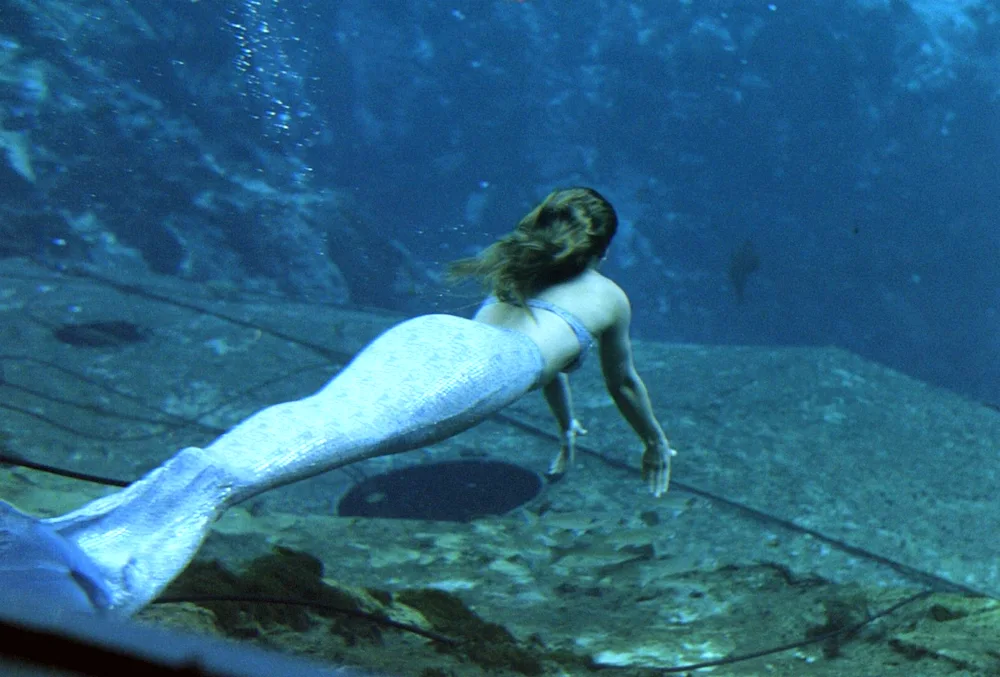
{"x":600,"y":305}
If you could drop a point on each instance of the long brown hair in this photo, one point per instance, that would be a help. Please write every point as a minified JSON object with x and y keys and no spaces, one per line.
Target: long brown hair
{"x":554,"y":242}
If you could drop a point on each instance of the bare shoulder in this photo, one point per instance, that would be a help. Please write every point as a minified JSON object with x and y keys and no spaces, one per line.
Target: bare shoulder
{"x":595,"y":299}
{"x":604,"y":303}
{"x":608,"y":294}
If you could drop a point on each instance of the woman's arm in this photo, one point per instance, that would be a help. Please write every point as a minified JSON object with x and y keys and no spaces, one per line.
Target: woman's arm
{"x":632,"y":399}
{"x":557,"y":395}
{"x":560,"y":401}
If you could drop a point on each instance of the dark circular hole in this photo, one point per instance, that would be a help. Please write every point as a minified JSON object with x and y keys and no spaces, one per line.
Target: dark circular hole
{"x":450,"y":491}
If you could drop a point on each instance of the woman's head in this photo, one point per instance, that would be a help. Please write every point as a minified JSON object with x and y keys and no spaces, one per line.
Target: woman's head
{"x":557,"y":240}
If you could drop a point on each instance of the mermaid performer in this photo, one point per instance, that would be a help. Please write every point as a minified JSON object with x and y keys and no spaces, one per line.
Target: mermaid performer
{"x":420,"y":382}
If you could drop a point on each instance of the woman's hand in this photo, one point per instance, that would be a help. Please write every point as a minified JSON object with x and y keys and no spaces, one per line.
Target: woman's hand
{"x":656,"y":466}
{"x":567,"y":448}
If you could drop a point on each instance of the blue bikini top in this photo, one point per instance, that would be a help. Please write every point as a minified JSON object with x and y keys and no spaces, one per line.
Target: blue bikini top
{"x":583,"y":335}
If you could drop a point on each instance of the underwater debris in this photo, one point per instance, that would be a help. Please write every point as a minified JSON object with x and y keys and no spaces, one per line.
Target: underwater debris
{"x":488,"y":645}
{"x":285,"y":593}
{"x":108,"y":334}
{"x":286,"y":588}
{"x":845,"y":616}
{"x":450,"y":491}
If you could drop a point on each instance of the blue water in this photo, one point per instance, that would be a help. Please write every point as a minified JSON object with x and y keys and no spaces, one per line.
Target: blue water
{"x":786,"y":173}
{"x":853,"y":143}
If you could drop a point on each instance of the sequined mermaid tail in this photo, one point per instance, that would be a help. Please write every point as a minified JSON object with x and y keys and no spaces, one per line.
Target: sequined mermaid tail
{"x":420,"y":382}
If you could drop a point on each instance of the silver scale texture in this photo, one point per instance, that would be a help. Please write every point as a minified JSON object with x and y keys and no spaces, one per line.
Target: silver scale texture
{"x":420,"y":382}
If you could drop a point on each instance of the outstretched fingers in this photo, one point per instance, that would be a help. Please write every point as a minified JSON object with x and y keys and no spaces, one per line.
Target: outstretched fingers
{"x":567,"y":449}
{"x":656,"y":469}
{"x":560,"y":463}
